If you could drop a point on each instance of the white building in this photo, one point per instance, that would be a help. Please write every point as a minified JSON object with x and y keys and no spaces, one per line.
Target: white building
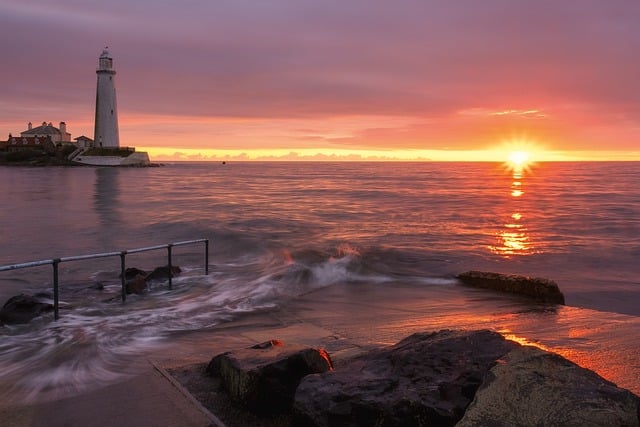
{"x":48,"y":130}
{"x":106,"y":132}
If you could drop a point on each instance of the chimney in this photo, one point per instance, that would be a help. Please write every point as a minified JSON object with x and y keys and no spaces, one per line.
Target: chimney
{"x":29,"y":126}
{"x":64,"y":136}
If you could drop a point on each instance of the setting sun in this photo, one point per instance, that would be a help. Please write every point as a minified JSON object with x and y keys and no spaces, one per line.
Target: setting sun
{"x":519,"y":158}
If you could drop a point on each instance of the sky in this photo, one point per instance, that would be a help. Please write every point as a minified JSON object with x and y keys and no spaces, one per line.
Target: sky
{"x":333,"y":80}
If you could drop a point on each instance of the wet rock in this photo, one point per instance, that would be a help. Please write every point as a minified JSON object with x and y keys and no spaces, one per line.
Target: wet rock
{"x":540,"y":289}
{"x":22,"y":308}
{"x":264,"y":378}
{"x":137,"y":279}
{"x":133,"y":272}
{"x":98,"y":286}
{"x":136,"y":285}
{"x":425,"y":379}
{"x":531,"y":387}
{"x":162,"y":273}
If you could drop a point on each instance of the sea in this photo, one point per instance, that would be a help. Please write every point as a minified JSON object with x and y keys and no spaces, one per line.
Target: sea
{"x":278,"y":230}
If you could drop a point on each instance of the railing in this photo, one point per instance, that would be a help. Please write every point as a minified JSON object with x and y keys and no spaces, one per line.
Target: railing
{"x":122,"y":254}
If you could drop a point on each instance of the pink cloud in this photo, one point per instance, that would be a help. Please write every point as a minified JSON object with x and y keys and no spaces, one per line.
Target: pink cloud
{"x":424,"y":61}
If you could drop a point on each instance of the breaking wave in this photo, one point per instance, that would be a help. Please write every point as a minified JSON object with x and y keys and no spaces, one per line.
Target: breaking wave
{"x":99,"y":340}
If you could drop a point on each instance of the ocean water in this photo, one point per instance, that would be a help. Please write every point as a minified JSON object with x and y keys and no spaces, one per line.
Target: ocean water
{"x":280,"y":230}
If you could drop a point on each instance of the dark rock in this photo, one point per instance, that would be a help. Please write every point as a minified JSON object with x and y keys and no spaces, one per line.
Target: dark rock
{"x":540,"y":289}
{"x":22,"y":308}
{"x":43,"y":297}
{"x":264,"y":378}
{"x":268,"y":344}
{"x":137,"y":279}
{"x":161,"y":273}
{"x":425,"y":379}
{"x":133,"y":272}
{"x":136,"y":285}
{"x":531,"y":387}
{"x":98,"y":286}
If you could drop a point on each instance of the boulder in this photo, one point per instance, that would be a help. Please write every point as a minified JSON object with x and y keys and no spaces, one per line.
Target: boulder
{"x":425,"y":379}
{"x":161,"y":273}
{"x":136,"y":285}
{"x":540,"y":289}
{"x":264,"y":378}
{"x":22,"y":308}
{"x":531,"y":387}
{"x":133,"y":272}
{"x":137,"y":279}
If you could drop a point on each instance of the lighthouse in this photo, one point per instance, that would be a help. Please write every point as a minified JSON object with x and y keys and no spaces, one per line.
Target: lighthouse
{"x":106,"y":124}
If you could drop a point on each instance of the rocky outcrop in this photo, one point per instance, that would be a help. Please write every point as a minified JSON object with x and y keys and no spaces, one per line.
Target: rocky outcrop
{"x":137,"y":279}
{"x":162,"y":273}
{"x":531,"y":387}
{"x":445,"y":378}
{"x":132,"y":272}
{"x":22,"y":308}
{"x":425,"y":379}
{"x":264,"y":377}
{"x":540,"y":289}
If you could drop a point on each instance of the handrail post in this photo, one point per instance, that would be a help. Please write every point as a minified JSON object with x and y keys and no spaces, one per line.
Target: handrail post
{"x":169,"y":265}
{"x":122,"y":275}
{"x":206,"y":257}
{"x":55,"y":263}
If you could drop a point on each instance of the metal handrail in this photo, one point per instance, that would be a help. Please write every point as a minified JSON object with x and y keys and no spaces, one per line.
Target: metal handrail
{"x":122,"y":254}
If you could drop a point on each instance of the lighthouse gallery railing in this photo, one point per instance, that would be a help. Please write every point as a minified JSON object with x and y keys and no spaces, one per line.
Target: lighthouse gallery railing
{"x":122,"y":254}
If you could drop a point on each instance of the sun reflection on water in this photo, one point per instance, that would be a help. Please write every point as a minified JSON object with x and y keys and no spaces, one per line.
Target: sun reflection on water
{"x":514,"y":238}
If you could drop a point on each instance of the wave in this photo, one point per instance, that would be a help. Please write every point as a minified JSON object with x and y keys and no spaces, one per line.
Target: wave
{"x":98,"y":339}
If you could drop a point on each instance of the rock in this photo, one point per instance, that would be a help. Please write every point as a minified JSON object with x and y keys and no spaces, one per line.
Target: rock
{"x":161,"y":273}
{"x":543,"y":290}
{"x":98,"y":286}
{"x":267,"y":345}
{"x":425,"y":379}
{"x":137,"y":279}
{"x":531,"y":387}
{"x":136,"y":285}
{"x":133,"y":272}
{"x":264,"y":378}
{"x":22,"y":308}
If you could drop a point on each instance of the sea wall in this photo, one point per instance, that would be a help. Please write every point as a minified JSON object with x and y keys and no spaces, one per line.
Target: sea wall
{"x":138,"y":158}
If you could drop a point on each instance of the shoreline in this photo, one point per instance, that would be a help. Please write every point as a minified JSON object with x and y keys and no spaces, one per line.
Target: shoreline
{"x":346,"y":321}
{"x":367,"y":315}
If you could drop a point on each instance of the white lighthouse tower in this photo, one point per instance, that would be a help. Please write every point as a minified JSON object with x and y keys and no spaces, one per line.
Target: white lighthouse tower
{"x":106,"y":125}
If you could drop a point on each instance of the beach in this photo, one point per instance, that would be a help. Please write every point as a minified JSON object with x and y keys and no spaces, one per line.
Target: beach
{"x":345,"y":326}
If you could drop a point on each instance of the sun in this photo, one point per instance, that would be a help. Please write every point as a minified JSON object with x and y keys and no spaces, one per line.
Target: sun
{"x":519,"y":158}
{"x":519,"y":154}
{"x":519,"y":162}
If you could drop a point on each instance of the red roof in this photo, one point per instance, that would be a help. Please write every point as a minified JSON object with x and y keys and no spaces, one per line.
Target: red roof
{"x":29,"y":141}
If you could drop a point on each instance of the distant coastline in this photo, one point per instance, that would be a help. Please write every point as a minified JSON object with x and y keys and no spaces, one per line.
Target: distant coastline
{"x":35,"y":158}
{"x":41,"y":159}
